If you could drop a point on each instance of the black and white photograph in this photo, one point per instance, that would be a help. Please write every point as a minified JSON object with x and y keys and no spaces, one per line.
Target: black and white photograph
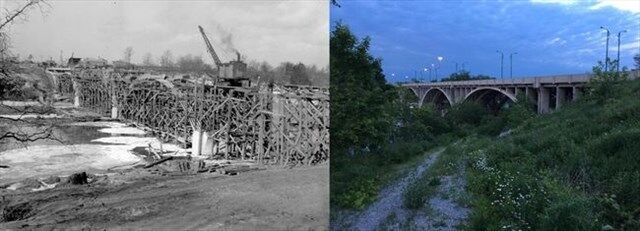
{"x":164,"y":115}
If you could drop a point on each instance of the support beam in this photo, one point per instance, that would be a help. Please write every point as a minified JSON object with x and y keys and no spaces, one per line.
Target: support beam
{"x":576,"y":94}
{"x":201,"y":143}
{"x":531,"y":94}
{"x":543,"y":100}
{"x":76,"y":93}
{"x":560,"y":97}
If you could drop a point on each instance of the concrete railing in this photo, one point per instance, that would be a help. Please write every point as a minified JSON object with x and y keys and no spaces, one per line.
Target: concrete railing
{"x":554,"y":79}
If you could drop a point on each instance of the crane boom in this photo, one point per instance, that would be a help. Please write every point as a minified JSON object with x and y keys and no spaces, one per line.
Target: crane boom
{"x":210,"y":48}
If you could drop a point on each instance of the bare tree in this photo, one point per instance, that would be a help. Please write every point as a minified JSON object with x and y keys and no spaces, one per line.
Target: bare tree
{"x":166,"y":60}
{"x":13,"y":127}
{"x":128,"y":53}
{"x":11,"y":16}
{"x":45,"y":130}
{"x":147,"y":60}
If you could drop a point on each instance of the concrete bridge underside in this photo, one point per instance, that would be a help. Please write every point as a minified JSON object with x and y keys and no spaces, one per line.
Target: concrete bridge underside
{"x":547,"y":93}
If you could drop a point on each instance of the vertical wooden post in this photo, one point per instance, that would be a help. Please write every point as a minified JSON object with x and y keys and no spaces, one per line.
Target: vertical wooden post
{"x":114,"y":98}
{"x":228,"y":129}
{"x":261,"y":126}
{"x":76,"y":92}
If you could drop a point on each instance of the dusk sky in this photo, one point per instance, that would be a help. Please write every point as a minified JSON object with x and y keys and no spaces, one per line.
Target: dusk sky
{"x":551,"y":37}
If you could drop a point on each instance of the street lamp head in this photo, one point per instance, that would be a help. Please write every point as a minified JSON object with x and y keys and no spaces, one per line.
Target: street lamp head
{"x":440,"y":58}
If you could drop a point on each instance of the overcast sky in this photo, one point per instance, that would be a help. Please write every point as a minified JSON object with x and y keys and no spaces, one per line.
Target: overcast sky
{"x":550,"y":36}
{"x":272,"y":31}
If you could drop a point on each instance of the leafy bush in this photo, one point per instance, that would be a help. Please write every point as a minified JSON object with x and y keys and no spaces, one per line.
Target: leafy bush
{"x":417,"y":193}
{"x":569,"y":212}
{"x":359,"y":193}
{"x":11,"y":88}
{"x":470,"y":113}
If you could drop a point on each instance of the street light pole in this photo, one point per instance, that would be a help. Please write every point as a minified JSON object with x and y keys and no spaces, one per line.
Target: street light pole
{"x":431,"y":70}
{"x":511,"y":64}
{"x":501,"y":64}
{"x":440,"y":58}
{"x":606,"y":55}
{"x":618,"y":59}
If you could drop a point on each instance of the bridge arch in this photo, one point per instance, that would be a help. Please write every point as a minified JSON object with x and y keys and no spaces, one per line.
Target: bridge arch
{"x":438,"y":97}
{"x":490,"y":97}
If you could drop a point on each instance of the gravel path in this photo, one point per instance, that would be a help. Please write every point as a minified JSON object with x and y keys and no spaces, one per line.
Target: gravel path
{"x":445,"y":213}
{"x":390,"y":200}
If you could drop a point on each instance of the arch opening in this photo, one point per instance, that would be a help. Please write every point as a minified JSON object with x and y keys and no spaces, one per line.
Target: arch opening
{"x":494,"y":100}
{"x":437,"y":98}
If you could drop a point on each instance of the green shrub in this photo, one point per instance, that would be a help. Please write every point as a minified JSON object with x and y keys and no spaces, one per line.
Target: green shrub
{"x":469,"y":113}
{"x":359,"y":193}
{"x":418,"y":192}
{"x":570,"y":212}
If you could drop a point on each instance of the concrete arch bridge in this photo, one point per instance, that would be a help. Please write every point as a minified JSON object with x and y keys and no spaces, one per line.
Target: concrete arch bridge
{"x":547,"y":92}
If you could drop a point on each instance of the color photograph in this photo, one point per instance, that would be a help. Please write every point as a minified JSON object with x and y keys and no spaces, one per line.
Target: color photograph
{"x":485,"y":115}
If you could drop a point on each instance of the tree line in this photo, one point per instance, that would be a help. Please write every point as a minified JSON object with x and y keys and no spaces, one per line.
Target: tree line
{"x":284,"y":73}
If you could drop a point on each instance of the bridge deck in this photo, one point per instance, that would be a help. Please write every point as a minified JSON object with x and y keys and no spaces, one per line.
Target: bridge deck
{"x":555,"y":79}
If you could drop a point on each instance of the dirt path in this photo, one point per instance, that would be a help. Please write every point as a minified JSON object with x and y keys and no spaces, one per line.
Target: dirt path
{"x":390,"y":199}
{"x":443,"y":213}
{"x":277,"y":199}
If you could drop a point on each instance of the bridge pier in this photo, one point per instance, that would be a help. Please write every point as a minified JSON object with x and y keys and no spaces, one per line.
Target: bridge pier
{"x":543,"y":100}
{"x":561,"y":95}
{"x":576,"y":94}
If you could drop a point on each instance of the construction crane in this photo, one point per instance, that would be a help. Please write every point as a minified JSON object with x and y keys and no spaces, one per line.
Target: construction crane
{"x":210,"y":48}
{"x":232,"y":72}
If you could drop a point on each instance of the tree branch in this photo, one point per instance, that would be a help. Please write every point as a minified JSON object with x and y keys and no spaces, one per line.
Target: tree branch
{"x":18,"y":12}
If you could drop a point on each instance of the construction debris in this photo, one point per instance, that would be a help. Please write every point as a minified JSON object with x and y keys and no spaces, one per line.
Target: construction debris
{"x":162,"y":160}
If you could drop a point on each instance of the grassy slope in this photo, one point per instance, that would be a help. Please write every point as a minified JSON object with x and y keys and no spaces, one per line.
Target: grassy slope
{"x":575,"y":169}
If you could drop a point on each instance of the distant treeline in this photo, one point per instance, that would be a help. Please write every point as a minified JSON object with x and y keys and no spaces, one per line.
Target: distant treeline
{"x":464,"y":76}
{"x":285,"y":73}
{"x":459,"y":76}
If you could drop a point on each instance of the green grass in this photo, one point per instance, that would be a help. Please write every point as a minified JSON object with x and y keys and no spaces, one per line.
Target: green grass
{"x":355,"y":182}
{"x":575,"y":169}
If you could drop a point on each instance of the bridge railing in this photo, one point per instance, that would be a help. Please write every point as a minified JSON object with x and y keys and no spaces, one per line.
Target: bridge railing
{"x":579,"y":78}
{"x":553,"y":79}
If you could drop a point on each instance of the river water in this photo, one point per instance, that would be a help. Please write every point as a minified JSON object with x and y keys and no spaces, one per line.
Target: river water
{"x":87,"y":146}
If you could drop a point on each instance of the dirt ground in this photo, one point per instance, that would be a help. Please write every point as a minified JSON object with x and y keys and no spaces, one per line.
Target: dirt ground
{"x":273,"y":199}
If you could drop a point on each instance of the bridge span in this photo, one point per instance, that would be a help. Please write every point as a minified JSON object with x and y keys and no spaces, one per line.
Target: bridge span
{"x":546,"y":92}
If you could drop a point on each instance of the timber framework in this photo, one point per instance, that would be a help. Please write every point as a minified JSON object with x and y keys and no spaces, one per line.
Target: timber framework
{"x":271,"y":124}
